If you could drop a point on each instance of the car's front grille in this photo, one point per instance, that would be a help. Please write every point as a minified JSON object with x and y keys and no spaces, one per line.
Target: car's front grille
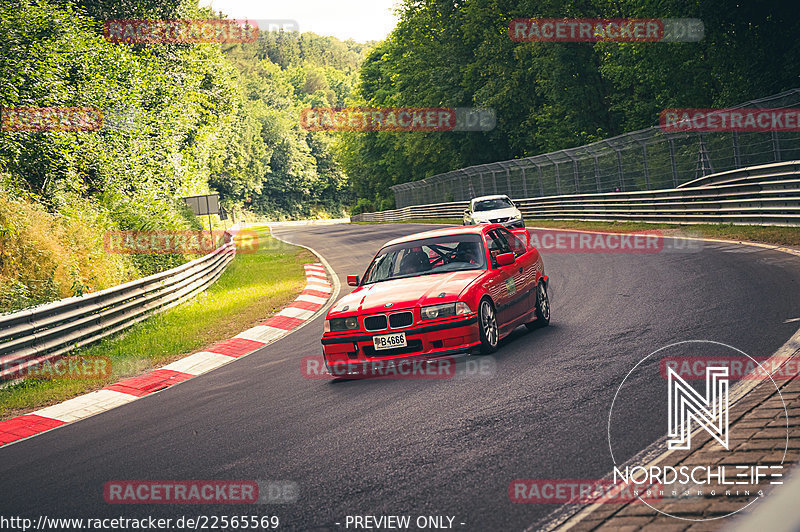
{"x":375,"y":323}
{"x":414,"y":346}
{"x":401,"y":319}
{"x":499,"y":220}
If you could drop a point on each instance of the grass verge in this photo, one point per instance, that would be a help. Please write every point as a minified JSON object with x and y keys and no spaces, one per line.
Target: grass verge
{"x":252,"y":288}
{"x":781,"y":236}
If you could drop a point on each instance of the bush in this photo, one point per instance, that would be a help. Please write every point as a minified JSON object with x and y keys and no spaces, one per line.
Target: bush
{"x":46,"y":256}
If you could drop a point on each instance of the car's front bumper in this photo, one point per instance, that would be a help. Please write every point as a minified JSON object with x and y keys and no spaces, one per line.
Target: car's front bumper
{"x":513,"y":223}
{"x":438,"y":339}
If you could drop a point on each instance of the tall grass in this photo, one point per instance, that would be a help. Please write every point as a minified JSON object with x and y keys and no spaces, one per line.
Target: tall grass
{"x":46,"y":256}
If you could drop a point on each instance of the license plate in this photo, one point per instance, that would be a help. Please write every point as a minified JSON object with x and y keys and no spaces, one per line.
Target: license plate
{"x":389,"y":341}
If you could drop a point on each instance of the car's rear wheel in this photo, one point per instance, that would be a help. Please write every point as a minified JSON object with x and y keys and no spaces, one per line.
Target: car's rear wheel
{"x":487,"y":321}
{"x":542,"y":309}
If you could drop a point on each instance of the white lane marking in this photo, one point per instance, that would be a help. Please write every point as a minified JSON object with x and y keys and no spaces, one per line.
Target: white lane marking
{"x":791,"y":320}
{"x":260,"y":333}
{"x":311,"y":299}
{"x":293,"y":312}
{"x":86,"y":405}
{"x":199,"y":363}
{"x":319,"y":288}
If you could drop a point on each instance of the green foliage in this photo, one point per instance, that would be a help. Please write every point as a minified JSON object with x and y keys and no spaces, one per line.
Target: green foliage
{"x":551,"y":96}
{"x":178,"y":120}
{"x":270,"y":164}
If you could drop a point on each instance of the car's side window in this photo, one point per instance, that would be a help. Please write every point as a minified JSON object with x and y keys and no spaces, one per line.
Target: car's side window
{"x":497,"y":245}
{"x":514,"y":243}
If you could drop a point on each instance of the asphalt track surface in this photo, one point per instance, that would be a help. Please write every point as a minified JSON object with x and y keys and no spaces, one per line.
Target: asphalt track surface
{"x":418,"y":447}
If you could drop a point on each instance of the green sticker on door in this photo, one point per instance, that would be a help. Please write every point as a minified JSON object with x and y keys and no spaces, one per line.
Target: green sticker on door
{"x":511,"y":286}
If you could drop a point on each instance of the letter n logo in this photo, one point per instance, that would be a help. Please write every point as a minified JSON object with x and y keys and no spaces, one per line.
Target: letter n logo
{"x":685,"y":405}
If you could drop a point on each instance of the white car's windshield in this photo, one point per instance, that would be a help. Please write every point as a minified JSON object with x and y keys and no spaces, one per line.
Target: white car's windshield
{"x":492,"y":204}
{"x":423,"y":257}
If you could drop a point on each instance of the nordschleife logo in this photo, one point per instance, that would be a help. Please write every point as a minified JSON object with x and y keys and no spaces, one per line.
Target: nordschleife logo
{"x":685,"y":404}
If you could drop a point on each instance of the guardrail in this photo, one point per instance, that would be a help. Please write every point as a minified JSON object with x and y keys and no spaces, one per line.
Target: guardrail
{"x":761,"y":195}
{"x":764,"y":172}
{"x":36,"y":335}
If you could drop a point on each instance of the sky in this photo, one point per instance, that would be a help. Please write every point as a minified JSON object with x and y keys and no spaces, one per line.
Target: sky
{"x":362,"y":20}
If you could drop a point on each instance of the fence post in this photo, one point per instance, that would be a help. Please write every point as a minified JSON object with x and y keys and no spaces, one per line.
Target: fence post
{"x":574,"y":171}
{"x":471,"y":186}
{"x":597,"y":171}
{"x":737,"y":156}
{"x":646,"y":167}
{"x":508,"y":181}
{"x":541,"y":182}
{"x":524,"y":180}
{"x":672,"y":161}
{"x":776,"y":147}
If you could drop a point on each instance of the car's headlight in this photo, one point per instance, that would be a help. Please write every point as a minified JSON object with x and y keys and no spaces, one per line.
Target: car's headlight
{"x":517,"y":216}
{"x":341,"y":324}
{"x":444,"y":311}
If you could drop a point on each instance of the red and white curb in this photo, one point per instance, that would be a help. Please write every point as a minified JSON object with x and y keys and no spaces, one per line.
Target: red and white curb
{"x":315,"y":295}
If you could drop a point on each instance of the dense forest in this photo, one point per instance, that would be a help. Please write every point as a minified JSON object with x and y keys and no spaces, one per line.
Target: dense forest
{"x":551,"y":96}
{"x":178,"y":120}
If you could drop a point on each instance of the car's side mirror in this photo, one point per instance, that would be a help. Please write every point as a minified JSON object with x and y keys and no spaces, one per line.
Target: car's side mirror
{"x":352,"y":280}
{"x":505,"y":259}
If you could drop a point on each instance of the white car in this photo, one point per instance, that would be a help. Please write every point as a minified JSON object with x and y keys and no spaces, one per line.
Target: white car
{"x":497,"y":209}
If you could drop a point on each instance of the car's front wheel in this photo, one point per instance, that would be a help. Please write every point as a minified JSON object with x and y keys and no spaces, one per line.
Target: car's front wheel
{"x":487,"y":321}
{"x":542,"y":309}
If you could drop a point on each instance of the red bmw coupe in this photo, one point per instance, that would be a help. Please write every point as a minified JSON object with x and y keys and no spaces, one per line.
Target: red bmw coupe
{"x":437,"y":293}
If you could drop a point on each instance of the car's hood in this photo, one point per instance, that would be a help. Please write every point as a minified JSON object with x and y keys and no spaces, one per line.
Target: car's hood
{"x":405,"y":293}
{"x":509,"y":212}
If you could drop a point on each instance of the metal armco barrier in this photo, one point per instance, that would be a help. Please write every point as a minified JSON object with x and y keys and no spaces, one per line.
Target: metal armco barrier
{"x":760,"y":195}
{"x":33,"y":336}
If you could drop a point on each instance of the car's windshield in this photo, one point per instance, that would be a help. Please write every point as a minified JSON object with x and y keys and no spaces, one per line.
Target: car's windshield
{"x":492,"y":204}
{"x":429,"y":256}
